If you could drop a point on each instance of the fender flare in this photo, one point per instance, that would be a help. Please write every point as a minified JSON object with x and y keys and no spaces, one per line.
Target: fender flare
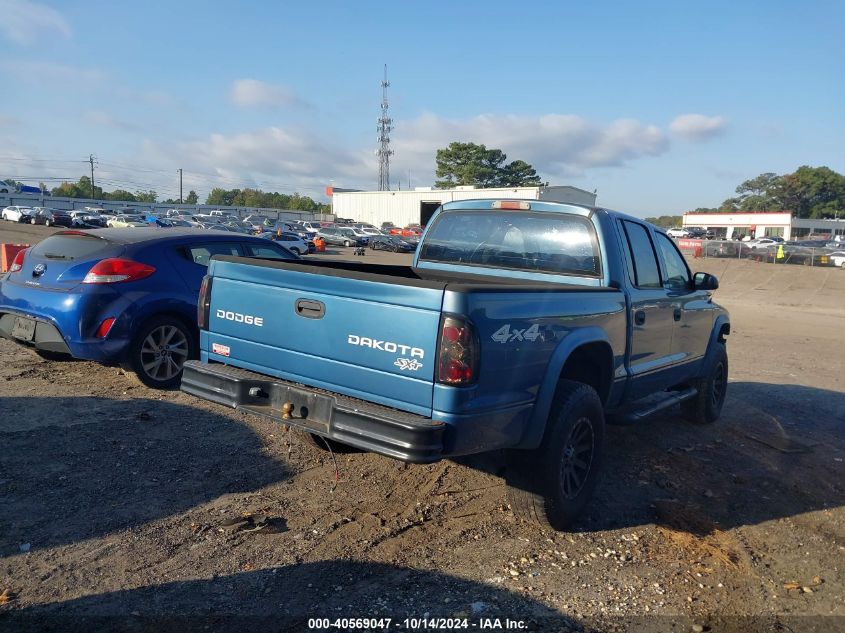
{"x":536,"y":427}
{"x":722,"y":322}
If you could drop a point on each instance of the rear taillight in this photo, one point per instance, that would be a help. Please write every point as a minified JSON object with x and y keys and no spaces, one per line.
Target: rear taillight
{"x":114,"y":270}
{"x":17,"y":263}
{"x":458,"y":354}
{"x":204,"y":303}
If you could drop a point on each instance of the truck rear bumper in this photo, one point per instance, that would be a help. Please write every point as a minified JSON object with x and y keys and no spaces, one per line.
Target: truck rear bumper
{"x":403,"y":436}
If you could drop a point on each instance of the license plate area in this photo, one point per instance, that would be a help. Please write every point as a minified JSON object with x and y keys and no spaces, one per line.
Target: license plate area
{"x":23,"y":329}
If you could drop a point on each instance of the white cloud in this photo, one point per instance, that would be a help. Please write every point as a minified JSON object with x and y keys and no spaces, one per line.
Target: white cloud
{"x":698,"y":127}
{"x":287,"y":159}
{"x":24,"y":22}
{"x":556,"y":145}
{"x":251,"y":93}
{"x":102,"y":119}
{"x":49,"y":72}
{"x":272,"y":158}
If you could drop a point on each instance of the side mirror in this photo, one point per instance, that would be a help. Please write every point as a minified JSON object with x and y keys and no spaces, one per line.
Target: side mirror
{"x":705,"y":281}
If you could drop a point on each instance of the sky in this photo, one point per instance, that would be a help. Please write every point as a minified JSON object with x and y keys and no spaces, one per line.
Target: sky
{"x":661,"y":107}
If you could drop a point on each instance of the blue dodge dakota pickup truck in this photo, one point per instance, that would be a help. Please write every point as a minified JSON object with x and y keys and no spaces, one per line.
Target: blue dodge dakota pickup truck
{"x":520,"y":325}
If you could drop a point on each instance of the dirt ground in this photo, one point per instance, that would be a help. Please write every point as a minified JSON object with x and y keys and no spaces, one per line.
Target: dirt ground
{"x":116,"y":503}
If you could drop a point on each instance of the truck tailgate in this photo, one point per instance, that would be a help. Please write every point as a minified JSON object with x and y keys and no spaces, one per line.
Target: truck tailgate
{"x":368,"y":336}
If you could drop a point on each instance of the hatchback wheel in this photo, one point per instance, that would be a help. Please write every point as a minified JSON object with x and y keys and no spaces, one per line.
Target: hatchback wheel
{"x":159,"y":351}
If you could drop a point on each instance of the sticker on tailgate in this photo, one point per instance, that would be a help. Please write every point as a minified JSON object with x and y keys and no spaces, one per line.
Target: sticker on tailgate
{"x":217,"y":348}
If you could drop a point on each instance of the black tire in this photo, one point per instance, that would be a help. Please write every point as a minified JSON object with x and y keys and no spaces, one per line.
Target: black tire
{"x":347,"y":243}
{"x":148,"y":360}
{"x":706,"y":406}
{"x":46,"y":223}
{"x":323,"y":443}
{"x":32,"y":221}
{"x":550,"y":486}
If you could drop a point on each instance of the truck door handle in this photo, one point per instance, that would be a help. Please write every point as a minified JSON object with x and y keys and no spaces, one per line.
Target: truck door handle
{"x":639,"y":317}
{"x":310,"y":309}
{"x":677,"y":314}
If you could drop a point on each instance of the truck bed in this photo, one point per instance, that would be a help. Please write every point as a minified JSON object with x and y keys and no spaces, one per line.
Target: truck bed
{"x":410,"y":276}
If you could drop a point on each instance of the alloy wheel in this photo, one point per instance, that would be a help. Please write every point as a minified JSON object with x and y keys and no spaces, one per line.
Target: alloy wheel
{"x":164,"y":352}
{"x":577,"y":458}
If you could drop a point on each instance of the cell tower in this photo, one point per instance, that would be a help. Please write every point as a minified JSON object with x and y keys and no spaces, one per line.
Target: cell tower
{"x":385,"y":126}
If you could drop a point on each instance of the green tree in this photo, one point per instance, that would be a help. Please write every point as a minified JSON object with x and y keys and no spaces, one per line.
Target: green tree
{"x":473,"y":164}
{"x":146,"y":196}
{"x":666,"y":221}
{"x":120,"y":194}
{"x":81,"y":189}
{"x":192,"y":197}
{"x":519,"y":174}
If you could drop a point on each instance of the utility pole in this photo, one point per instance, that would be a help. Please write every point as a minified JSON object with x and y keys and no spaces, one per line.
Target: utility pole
{"x":91,"y":159}
{"x":385,"y":125}
{"x":180,"y":185}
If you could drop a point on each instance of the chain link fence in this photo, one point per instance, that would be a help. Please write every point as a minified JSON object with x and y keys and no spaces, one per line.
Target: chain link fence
{"x":831,"y":254}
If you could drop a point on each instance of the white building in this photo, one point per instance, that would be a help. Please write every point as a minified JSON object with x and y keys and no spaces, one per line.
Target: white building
{"x":416,"y":207}
{"x":764,"y":223}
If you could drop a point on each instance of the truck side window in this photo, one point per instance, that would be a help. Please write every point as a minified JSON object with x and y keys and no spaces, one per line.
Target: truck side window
{"x":677,"y":273}
{"x":646,"y":270}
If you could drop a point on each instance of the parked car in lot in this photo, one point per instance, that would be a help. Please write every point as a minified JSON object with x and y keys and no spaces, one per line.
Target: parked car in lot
{"x":118,"y":295}
{"x":341,"y":236}
{"x":17,"y":213}
{"x":393,"y":243}
{"x":126,"y":221}
{"x":837,"y":258}
{"x":763,"y":242}
{"x":87,"y":219}
{"x":677,"y":232}
{"x":50,"y":217}
{"x":699,"y":233}
{"x":726,"y":248}
{"x":290,"y":241}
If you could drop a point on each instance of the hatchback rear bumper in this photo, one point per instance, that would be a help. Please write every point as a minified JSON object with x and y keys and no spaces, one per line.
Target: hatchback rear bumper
{"x":397,"y":434}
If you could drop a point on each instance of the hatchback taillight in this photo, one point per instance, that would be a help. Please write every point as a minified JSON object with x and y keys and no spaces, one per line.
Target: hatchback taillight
{"x":17,"y":263}
{"x":116,"y":269}
{"x":204,"y":303}
{"x":458,"y":353}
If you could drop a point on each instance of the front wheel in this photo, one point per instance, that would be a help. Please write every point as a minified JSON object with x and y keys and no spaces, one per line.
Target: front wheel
{"x":159,"y":351}
{"x":552,"y":484}
{"x":347,"y":243}
{"x":46,"y":223}
{"x":706,"y":406}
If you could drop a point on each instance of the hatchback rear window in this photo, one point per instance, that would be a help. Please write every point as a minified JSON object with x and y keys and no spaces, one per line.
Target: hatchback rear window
{"x":70,"y":246}
{"x":555,"y":243}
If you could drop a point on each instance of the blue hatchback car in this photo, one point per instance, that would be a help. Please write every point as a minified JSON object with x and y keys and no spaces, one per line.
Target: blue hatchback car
{"x":125,"y":296}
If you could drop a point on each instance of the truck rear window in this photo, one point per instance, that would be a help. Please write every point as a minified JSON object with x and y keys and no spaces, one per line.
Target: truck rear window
{"x":555,"y":243}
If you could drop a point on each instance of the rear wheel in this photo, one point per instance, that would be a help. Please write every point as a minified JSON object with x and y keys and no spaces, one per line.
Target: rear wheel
{"x":347,"y":243}
{"x":552,"y":484}
{"x":46,"y":223}
{"x":32,"y":221}
{"x":706,"y":406}
{"x":159,"y":351}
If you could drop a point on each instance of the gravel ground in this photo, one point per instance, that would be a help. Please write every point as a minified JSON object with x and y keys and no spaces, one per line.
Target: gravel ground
{"x":122,"y":508}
